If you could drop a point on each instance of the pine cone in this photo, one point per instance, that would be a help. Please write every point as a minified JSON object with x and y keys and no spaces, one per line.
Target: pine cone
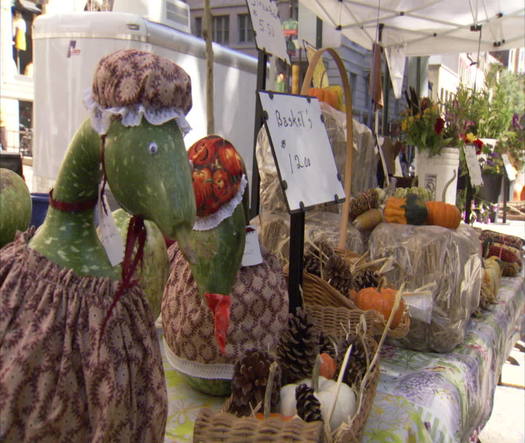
{"x":298,"y":347}
{"x":312,"y":262}
{"x":365,"y":278}
{"x":338,"y":274}
{"x":308,"y":407}
{"x":363,"y":202}
{"x":357,"y":363}
{"x":327,"y":346}
{"x":250,"y":376}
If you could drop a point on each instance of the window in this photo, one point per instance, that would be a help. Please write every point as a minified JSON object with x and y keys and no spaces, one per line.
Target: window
{"x":353,"y":84}
{"x":197,"y":26}
{"x":221,"y":29}
{"x":246,"y":34}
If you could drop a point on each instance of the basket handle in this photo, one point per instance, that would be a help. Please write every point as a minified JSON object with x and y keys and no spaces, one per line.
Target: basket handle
{"x":343,"y":225}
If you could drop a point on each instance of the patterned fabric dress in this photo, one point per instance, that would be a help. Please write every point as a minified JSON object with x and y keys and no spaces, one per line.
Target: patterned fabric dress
{"x":54,"y":385}
{"x":259,"y":312}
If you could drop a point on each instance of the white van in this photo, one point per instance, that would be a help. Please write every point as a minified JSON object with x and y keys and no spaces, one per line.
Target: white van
{"x":67,"y":48}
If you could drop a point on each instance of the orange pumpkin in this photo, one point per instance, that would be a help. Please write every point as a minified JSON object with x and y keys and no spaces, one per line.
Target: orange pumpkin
{"x":443,"y":214}
{"x":328,"y":366}
{"x":325,"y":95}
{"x":260,"y":416}
{"x":380,"y":300}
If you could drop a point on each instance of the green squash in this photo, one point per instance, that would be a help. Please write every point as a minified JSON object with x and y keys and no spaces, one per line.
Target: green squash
{"x":15,"y":205}
{"x":415,"y":209}
{"x":154,"y":272}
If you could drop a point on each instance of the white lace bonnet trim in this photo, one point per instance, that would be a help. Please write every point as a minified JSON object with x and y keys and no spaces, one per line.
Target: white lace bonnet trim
{"x":209,"y":371}
{"x":131,"y":115}
{"x":213,"y":220}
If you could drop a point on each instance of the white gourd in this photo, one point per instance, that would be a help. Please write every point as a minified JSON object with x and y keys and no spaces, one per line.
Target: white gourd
{"x":345,"y":406}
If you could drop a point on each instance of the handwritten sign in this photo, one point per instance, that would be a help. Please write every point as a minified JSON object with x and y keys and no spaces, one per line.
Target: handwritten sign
{"x":269,"y":35}
{"x":474,"y":169}
{"x":301,"y":149}
{"x":509,"y":169}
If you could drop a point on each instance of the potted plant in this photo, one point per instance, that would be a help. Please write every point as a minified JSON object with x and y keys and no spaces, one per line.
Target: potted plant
{"x":492,"y":166}
{"x":438,"y":130}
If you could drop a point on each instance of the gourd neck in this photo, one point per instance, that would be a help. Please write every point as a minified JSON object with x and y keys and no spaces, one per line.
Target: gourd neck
{"x":69,"y":238}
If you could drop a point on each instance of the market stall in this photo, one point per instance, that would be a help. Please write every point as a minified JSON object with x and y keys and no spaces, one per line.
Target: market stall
{"x":423,"y":396}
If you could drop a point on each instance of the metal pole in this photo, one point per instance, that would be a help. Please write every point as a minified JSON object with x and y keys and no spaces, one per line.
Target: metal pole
{"x":256,"y":179}
{"x":208,"y":33}
{"x":295,"y":268}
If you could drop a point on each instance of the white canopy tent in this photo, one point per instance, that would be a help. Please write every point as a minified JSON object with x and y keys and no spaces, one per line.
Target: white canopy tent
{"x":426,"y":27}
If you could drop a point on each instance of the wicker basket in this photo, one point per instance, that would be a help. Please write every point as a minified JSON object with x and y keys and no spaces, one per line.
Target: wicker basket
{"x":214,"y":426}
{"x":318,"y":292}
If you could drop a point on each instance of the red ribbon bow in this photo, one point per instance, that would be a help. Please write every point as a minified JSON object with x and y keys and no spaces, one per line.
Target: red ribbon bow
{"x":219,"y":305}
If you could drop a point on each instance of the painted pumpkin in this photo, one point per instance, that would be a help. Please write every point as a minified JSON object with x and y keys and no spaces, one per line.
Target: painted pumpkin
{"x":443,"y":214}
{"x":410,"y":210}
{"x":380,"y":300}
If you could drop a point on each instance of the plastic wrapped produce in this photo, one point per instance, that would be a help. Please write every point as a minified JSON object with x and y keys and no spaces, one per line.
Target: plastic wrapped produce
{"x":274,"y":230}
{"x":423,"y":255}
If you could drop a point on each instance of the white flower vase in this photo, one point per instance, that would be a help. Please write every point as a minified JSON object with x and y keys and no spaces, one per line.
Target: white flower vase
{"x":439,"y":173}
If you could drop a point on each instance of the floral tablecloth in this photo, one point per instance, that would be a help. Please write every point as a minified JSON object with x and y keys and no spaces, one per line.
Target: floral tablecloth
{"x":421,"y":397}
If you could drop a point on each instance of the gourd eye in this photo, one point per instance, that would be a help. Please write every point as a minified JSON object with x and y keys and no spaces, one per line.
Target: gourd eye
{"x":153,"y":148}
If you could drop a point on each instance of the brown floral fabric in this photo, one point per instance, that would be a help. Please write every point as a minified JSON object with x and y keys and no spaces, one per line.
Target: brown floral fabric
{"x":129,"y":76}
{"x":259,"y":311}
{"x":54,"y":385}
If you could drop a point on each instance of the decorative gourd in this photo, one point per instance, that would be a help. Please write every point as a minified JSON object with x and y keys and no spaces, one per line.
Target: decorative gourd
{"x":15,"y":205}
{"x":345,"y":406}
{"x":443,"y":214}
{"x":381,"y":300}
{"x":368,"y":220}
{"x":328,"y":366}
{"x":410,"y":210}
{"x":325,"y":95}
{"x":154,"y":272}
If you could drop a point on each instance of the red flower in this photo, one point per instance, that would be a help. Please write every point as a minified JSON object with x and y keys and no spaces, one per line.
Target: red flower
{"x":439,"y":125}
{"x":479,"y":145}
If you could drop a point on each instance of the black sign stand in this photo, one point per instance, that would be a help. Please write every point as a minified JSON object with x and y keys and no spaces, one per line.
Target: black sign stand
{"x":295,"y":267}
{"x":262,"y":61}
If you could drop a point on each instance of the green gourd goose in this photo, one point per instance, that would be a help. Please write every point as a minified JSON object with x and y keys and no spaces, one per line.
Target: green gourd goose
{"x":77,"y":364}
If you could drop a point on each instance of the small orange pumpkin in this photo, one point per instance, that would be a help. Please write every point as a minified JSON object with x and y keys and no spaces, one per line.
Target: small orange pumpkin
{"x":443,"y":214}
{"x":260,"y":416}
{"x":381,"y":300}
{"x":325,"y":95}
{"x":328,"y":366}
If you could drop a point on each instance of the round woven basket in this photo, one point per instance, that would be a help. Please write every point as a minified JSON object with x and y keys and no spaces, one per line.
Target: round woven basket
{"x":214,"y":426}
{"x":318,"y":292}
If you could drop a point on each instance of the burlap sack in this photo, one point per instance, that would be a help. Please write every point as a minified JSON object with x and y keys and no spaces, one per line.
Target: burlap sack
{"x":259,"y":311}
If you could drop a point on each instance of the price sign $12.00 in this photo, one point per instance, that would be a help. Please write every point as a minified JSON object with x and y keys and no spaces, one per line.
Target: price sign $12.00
{"x":301,"y":149}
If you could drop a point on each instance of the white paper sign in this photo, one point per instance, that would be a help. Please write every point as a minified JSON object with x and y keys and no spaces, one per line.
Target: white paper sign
{"x":108,"y":234}
{"x":252,"y":251}
{"x":474,"y":169}
{"x":509,"y":169}
{"x":301,"y":149}
{"x":268,"y":29}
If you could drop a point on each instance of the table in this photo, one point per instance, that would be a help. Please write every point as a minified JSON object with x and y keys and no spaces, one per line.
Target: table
{"x":421,"y":397}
